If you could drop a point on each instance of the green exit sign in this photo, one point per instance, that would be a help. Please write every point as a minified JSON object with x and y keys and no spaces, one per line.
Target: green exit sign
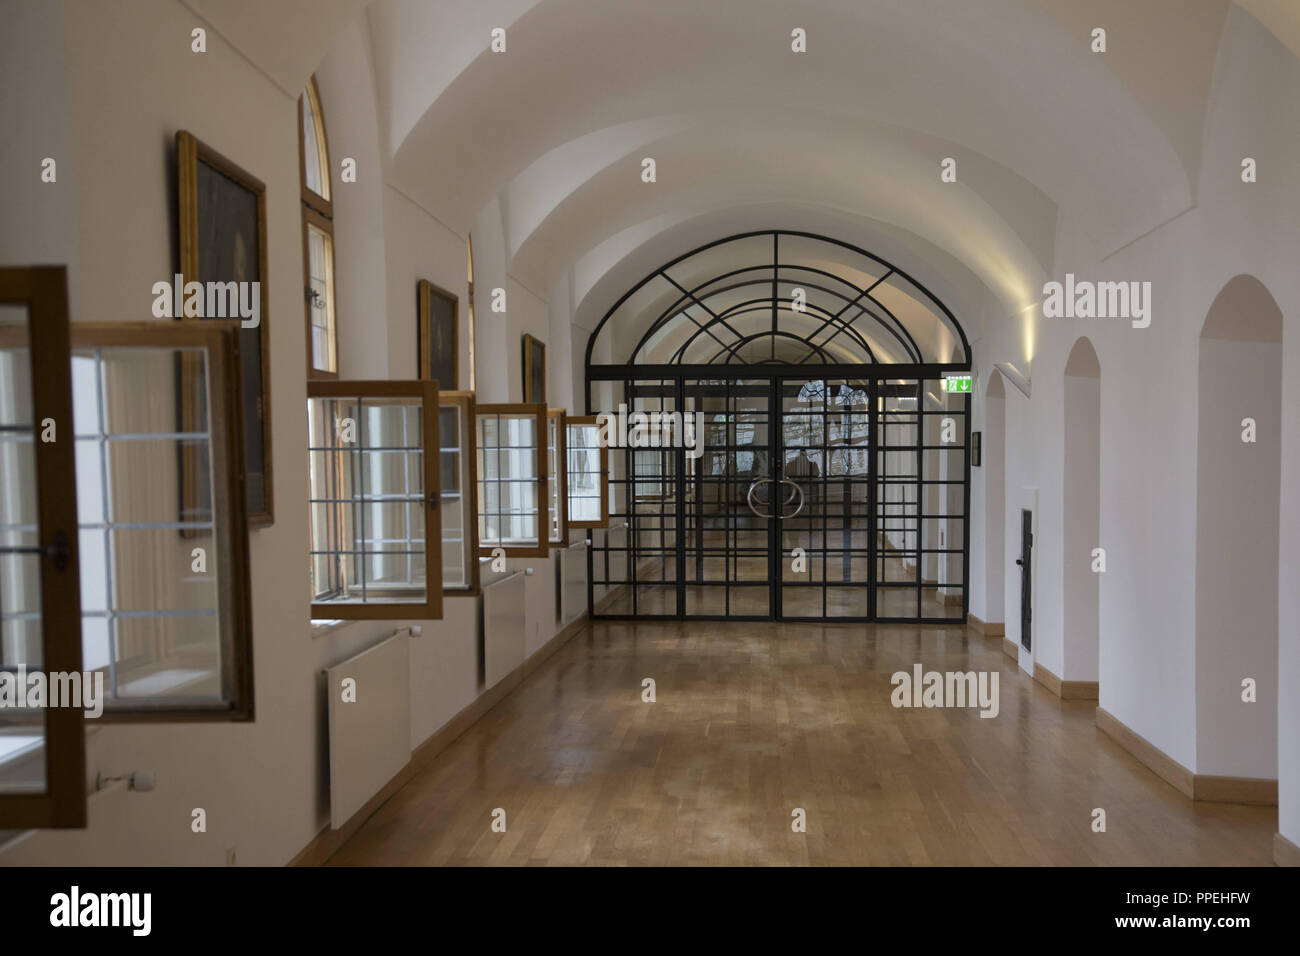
{"x":956,"y":383}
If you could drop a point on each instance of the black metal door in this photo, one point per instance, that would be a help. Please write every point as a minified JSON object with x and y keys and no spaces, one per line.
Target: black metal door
{"x":1026,"y":576}
{"x":823,"y":519}
{"x":812,"y":497}
{"x":725,"y":509}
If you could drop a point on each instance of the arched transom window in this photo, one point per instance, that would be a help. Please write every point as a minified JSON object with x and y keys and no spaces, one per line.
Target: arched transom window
{"x":780,"y":297}
{"x":318,"y":237}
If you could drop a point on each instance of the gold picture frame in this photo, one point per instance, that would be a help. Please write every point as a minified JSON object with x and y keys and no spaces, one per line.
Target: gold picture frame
{"x":436,"y":335}
{"x":217,"y":201}
{"x":534,"y":365}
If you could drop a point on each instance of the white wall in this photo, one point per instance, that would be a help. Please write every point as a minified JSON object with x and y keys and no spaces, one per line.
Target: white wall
{"x":1148,"y":455}
{"x":419,"y":247}
{"x":1082,"y":521}
{"x":1236,"y":557}
{"x":139,"y":54}
{"x":352,"y":132}
{"x":264,"y":784}
{"x":1288,"y":668}
{"x":493,"y":349}
{"x":988,"y":547}
{"x":40,"y":219}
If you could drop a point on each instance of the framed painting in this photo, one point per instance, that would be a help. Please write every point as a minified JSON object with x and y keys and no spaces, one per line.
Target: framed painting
{"x":436,"y":335}
{"x":222,"y":226}
{"x":534,"y":364}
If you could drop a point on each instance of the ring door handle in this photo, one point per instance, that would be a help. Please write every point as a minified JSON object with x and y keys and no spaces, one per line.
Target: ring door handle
{"x":749,"y":497}
{"x":797,"y":492}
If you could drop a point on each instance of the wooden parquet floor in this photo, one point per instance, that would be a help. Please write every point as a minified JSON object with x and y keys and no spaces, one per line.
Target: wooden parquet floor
{"x":754,"y":720}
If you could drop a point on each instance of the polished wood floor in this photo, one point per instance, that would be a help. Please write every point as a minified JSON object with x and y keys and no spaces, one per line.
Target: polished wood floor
{"x":754,"y":720}
{"x":831,"y":587}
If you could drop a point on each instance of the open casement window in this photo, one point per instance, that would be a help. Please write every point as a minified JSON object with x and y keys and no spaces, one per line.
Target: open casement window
{"x":469,"y":302}
{"x":512,"y":485}
{"x":557,"y":505}
{"x":42,"y":749}
{"x":317,"y":237}
{"x":460,"y":563}
{"x":163,"y":541}
{"x":376,"y":549}
{"x":587,"y":473}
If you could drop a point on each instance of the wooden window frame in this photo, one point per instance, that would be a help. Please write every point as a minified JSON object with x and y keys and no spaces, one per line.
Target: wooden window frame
{"x":427,"y":392}
{"x":466,"y":402}
{"x":311,"y":218}
{"x":220,"y":337}
{"x":43,"y":291}
{"x":593,"y":421}
{"x":317,"y":211}
{"x":469,"y":306}
{"x":538,"y":411}
{"x":558,"y":479}
{"x":323,"y":204}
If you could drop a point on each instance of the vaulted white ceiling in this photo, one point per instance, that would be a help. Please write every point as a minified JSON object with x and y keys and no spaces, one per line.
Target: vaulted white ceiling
{"x":850,"y":134}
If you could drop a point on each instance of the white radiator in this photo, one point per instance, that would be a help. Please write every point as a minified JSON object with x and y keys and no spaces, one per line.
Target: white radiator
{"x":369,"y":723}
{"x":573,"y":581}
{"x":504,"y":626}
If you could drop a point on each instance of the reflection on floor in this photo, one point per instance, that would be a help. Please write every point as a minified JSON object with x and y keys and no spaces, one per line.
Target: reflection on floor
{"x":754,"y":720}
{"x":829,"y":589}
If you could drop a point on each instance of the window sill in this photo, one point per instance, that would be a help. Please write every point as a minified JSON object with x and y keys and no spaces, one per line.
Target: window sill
{"x":321,"y":628}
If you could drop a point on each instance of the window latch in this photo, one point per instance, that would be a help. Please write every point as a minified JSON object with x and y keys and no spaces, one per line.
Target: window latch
{"x":433,"y":501}
{"x":58,"y":552}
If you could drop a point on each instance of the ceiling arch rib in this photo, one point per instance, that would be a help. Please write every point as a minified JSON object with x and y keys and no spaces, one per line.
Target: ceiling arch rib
{"x":421,"y":47}
{"x":737,"y":303}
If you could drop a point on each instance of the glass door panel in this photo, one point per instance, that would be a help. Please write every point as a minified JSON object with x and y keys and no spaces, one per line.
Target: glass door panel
{"x":710,"y":494}
{"x":898,"y":506}
{"x":825,"y":488}
{"x":653,"y":422}
{"x":727,"y":544}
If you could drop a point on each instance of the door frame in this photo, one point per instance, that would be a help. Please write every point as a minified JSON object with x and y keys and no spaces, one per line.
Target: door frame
{"x":1026,"y":564}
{"x":1027,"y":500}
{"x":675,"y":377}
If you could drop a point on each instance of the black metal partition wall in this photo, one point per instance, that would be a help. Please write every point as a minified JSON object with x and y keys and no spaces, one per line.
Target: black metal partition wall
{"x":819,"y":489}
{"x":836,"y":498}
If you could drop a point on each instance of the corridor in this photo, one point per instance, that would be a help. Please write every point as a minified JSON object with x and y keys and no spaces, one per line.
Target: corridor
{"x":754,"y":720}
